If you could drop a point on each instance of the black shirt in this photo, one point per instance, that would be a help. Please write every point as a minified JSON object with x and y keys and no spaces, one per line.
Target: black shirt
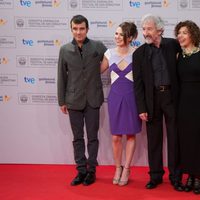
{"x":161,"y":75}
{"x":79,"y":48}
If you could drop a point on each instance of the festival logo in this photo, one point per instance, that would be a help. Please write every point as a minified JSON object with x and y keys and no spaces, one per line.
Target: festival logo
{"x":21,"y":61}
{"x":73,"y":4}
{"x":20,"y":23}
{"x":100,"y":5}
{"x":23,"y":99}
{"x":183,"y":4}
{"x":45,"y":23}
{"x":37,"y":99}
{"x":36,"y":61}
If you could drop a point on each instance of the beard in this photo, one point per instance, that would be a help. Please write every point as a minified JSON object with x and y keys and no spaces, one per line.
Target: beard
{"x":148,"y":40}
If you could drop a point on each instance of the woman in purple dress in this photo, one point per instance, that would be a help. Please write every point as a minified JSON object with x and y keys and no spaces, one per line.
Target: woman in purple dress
{"x":123,"y":115}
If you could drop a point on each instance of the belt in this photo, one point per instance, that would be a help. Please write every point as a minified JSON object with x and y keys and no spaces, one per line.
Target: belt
{"x":163,"y":88}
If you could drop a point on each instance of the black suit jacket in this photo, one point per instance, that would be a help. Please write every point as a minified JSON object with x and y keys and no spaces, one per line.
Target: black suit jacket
{"x":143,"y":74}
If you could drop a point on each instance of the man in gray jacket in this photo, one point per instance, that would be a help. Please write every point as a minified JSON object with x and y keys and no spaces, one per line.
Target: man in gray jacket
{"x":80,"y":95}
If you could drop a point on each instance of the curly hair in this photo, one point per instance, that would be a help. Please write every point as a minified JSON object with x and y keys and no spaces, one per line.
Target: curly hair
{"x":193,"y":30}
{"x":129,"y":29}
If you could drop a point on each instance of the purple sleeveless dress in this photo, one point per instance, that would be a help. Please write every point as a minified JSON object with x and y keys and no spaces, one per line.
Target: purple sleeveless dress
{"x":123,"y":115}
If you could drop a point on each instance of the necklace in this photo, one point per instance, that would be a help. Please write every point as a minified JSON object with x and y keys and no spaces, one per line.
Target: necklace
{"x":188,"y":54}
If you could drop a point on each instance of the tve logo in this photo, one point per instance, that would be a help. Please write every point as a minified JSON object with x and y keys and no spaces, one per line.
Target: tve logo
{"x":135,"y":43}
{"x":135,"y":4}
{"x":30,"y":80}
{"x":25,"y":3}
{"x":27,"y":42}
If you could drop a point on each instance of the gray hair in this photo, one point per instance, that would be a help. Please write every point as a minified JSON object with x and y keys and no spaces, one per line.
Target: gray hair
{"x":159,"y":23}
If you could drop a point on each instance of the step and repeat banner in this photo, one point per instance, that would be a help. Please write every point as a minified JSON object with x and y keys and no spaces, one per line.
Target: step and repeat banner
{"x":32,"y":128}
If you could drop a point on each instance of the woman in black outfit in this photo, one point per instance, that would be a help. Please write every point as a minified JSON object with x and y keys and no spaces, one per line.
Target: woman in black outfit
{"x":188,"y":69}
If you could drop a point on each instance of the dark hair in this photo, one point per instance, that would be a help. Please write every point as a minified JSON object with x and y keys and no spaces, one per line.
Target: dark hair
{"x":129,"y":29}
{"x":193,"y":30}
{"x":78,"y":19}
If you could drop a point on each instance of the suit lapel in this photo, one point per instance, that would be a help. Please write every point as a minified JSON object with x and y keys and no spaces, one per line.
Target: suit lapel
{"x":165,"y":53}
{"x":148,"y":64}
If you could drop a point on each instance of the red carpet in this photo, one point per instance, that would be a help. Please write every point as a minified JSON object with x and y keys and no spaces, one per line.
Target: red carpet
{"x":52,"y":182}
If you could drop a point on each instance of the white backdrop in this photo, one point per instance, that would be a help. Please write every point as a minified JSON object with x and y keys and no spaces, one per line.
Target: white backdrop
{"x":32,"y":128}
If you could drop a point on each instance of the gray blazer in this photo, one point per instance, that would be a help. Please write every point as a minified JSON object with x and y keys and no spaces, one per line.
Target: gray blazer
{"x":79,"y":79}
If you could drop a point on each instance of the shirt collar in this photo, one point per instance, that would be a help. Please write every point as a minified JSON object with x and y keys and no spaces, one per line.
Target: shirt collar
{"x":161,"y":44}
{"x":84,"y":42}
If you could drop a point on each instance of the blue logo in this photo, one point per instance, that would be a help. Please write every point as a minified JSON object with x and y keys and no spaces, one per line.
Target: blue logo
{"x":29,"y":80}
{"x":135,"y":43}
{"x":25,"y":3}
{"x":27,"y":42}
{"x":135,"y":4}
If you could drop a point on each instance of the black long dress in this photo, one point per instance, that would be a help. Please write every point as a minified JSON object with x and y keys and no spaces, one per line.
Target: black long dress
{"x":189,"y":113}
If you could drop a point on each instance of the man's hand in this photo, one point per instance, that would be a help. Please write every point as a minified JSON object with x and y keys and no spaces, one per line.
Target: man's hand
{"x":143,"y":116}
{"x":64,"y":109}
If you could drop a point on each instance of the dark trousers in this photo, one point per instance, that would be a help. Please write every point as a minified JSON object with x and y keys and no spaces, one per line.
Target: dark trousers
{"x":89,"y":116}
{"x":163,"y":106}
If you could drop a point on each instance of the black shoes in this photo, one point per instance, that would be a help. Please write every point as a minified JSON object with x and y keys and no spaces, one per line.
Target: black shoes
{"x":192,"y":183}
{"x":89,"y":179}
{"x":78,"y":179}
{"x":153,"y":184}
{"x":196,"y":189}
{"x":86,"y":179}
{"x":189,"y":184}
{"x":178,"y":186}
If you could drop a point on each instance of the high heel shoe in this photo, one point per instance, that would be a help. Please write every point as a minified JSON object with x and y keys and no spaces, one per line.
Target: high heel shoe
{"x":189,"y":183}
{"x":196,"y":189}
{"x":125,"y":177}
{"x":118,"y":173}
